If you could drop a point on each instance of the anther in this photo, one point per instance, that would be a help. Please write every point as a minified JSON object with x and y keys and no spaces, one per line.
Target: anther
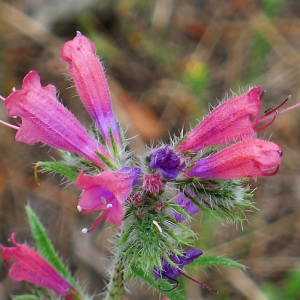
{"x":157,"y":225}
{"x":79,"y":208}
{"x":84,"y":230}
{"x":109,"y":205}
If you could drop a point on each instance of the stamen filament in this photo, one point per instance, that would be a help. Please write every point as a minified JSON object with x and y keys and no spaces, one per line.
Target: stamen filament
{"x":9,"y":125}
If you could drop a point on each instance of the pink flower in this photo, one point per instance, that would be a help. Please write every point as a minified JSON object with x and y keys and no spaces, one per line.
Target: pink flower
{"x":30,"y":266}
{"x":106,"y":192}
{"x":91,"y":84}
{"x":229,"y":121}
{"x":46,"y":120}
{"x":248,"y":158}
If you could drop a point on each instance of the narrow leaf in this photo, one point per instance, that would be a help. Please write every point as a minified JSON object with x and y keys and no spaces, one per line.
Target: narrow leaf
{"x":66,"y":170}
{"x":45,"y":247}
{"x":212,"y":260}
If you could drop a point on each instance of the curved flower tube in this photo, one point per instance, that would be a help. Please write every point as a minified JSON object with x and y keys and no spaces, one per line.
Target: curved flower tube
{"x":30,"y":266}
{"x":91,"y":84}
{"x":106,"y":192}
{"x":228,"y":122}
{"x":248,"y":158}
{"x":46,"y":120}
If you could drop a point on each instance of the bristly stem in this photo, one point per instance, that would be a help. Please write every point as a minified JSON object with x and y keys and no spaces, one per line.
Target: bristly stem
{"x":116,"y":282}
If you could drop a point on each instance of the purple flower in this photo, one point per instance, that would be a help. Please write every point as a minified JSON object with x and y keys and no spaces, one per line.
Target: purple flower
{"x":172,"y":272}
{"x":167,"y":161}
{"x":30,"y":266}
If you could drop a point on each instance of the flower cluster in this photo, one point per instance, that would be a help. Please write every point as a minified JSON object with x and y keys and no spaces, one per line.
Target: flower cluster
{"x":150,"y":197}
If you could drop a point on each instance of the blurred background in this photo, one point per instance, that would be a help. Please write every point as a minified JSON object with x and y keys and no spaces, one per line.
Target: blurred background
{"x":166,"y":60}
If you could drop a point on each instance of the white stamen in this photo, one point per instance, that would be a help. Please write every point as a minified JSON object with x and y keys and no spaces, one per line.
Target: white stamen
{"x":84,"y":230}
{"x":158,"y":227}
{"x":109,"y":205}
{"x":79,"y":208}
{"x":14,"y":89}
{"x":78,"y":32}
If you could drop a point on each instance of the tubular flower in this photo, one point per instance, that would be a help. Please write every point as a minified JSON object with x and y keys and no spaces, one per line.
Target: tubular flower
{"x":106,"y":192}
{"x":228,"y":122}
{"x":30,"y":266}
{"x":91,"y":84}
{"x":248,"y":158}
{"x":45,"y":120}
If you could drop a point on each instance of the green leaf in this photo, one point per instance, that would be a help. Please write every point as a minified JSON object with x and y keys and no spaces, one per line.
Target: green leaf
{"x":212,"y":260}
{"x":66,"y":170}
{"x":163,"y":286}
{"x":45,"y":247}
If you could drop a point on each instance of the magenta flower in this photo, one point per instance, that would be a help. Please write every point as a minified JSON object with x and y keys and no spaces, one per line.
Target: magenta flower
{"x":91,"y":84}
{"x":46,"y":120}
{"x":106,"y":192}
{"x":30,"y":266}
{"x":228,"y":122}
{"x":167,"y":161}
{"x":248,"y":158}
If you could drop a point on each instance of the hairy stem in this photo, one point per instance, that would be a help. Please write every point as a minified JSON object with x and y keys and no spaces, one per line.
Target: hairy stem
{"x":116,"y":283}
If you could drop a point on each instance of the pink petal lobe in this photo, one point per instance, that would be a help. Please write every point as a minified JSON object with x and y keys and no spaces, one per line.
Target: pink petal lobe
{"x":105,"y":192}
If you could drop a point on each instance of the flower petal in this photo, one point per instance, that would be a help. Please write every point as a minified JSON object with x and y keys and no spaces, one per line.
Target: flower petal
{"x":248,"y":158}
{"x":91,"y":84}
{"x":106,"y":192}
{"x":228,"y":122}
{"x":46,"y":120}
{"x":30,"y":266}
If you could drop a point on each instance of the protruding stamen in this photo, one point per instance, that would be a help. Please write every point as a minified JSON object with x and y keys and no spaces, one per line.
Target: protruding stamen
{"x":262,"y":94}
{"x":78,"y":32}
{"x":271,"y":173}
{"x":109,"y":205}
{"x":9,"y":125}
{"x":199,"y":282}
{"x":84,"y":230}
{"x":79,"y":208}
{"x":2,"y":98}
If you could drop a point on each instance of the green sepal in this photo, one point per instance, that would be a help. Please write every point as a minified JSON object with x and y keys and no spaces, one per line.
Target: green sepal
{"x":213,"y":260}
{"x":64,"y":169}
{"x":107,"y":161}
{"x":160,"y":285}
{"x":113,"y":143}
{"x":45,"y":247}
